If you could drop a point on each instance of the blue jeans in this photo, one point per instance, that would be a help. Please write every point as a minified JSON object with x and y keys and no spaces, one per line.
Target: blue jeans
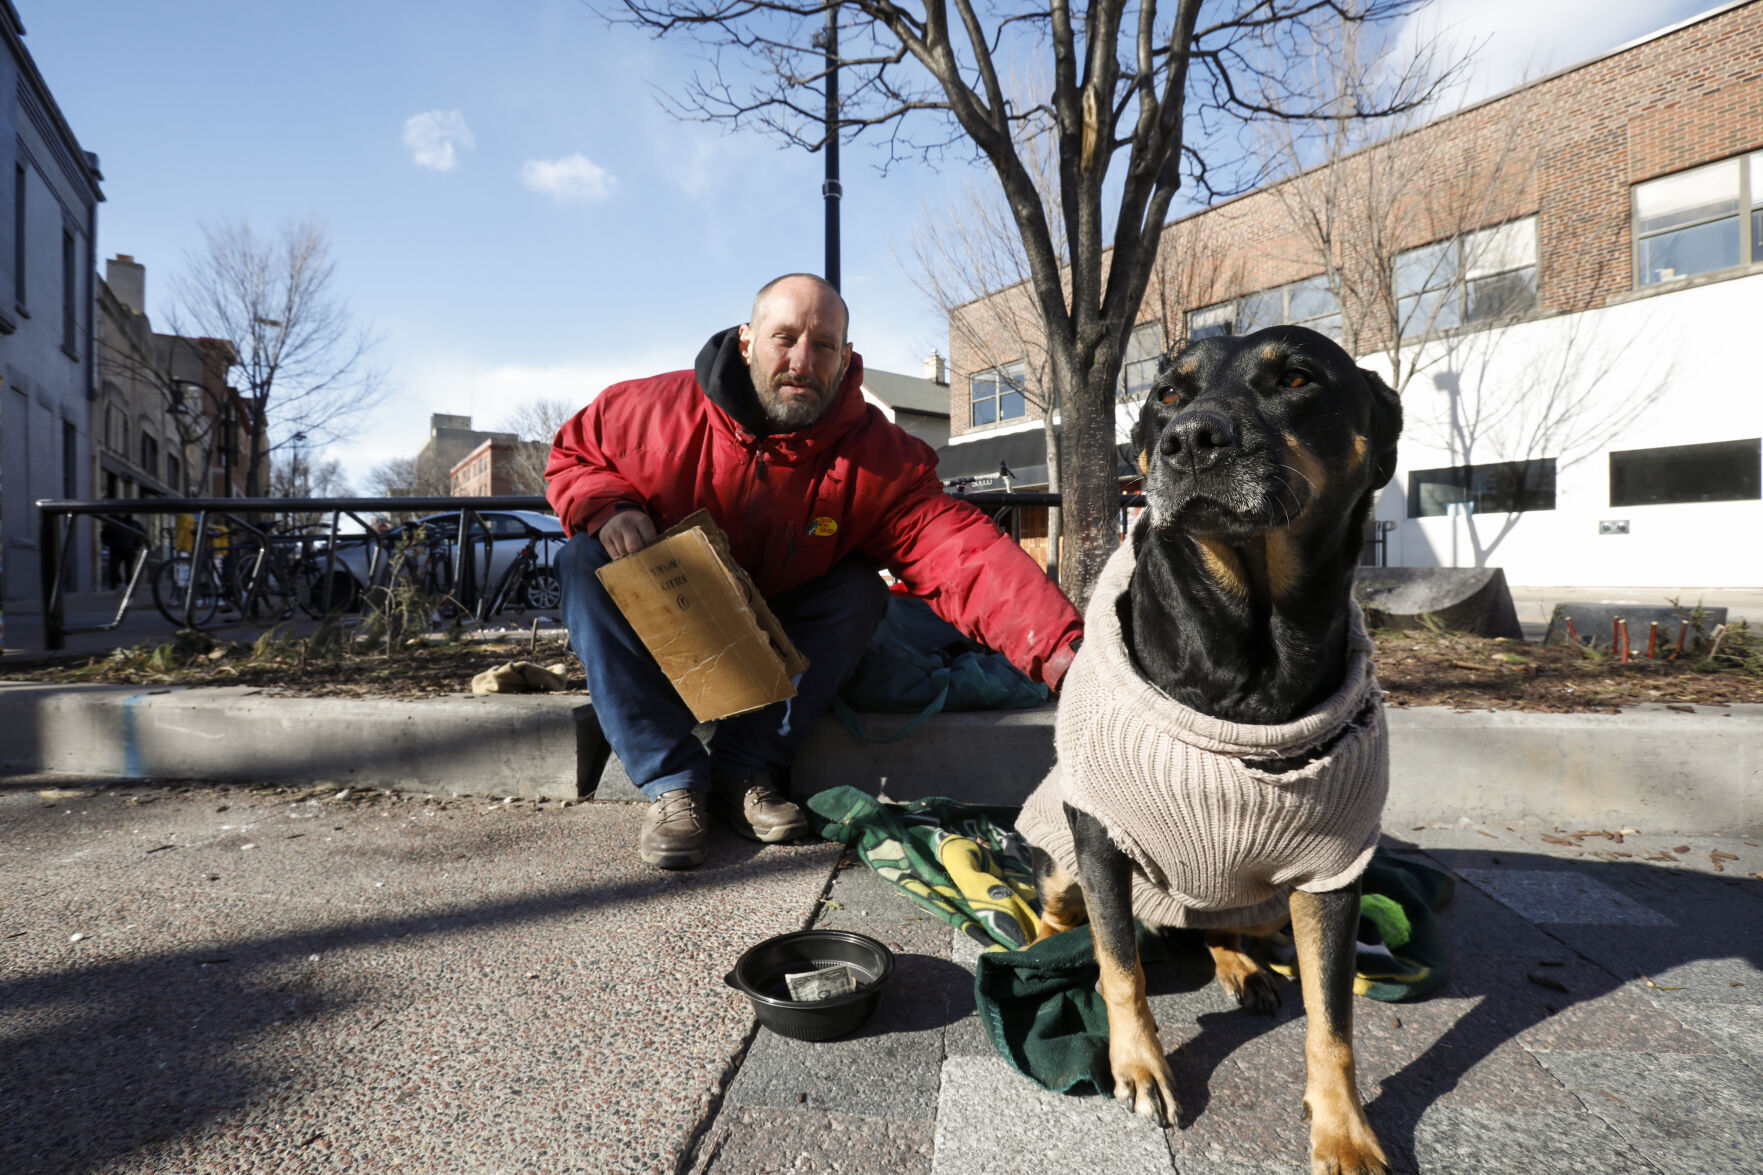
{"x":830,"y":620}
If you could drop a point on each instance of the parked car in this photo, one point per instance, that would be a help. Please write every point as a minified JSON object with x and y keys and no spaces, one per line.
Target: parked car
{"x":433,"y":538}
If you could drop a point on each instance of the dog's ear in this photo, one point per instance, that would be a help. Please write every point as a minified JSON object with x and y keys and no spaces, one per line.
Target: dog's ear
{"x":1386,"y":426}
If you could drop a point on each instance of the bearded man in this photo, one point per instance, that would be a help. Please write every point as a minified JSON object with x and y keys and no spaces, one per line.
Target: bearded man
{"x":816,"y":490}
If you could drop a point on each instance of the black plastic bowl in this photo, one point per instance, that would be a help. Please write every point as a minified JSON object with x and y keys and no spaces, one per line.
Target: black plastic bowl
{"x":759,"y":975}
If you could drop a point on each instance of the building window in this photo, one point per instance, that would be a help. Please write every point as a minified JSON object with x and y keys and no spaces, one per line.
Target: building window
{"x":18,"y":235}
{"x":69,"y":298}
{"x":999,"y":394}
{"x":174,"y":474}
{"x":149,"y":456}
{"x":1482,"y":276}
{"x":70,"y":461}
{"x":1212,"y":321}
{"x":1504,"y":487}
{"x":1703,"y":220}
{"x":1304,"y":303}
{"x":1725,"y":471}
{"x":1144,"y":354}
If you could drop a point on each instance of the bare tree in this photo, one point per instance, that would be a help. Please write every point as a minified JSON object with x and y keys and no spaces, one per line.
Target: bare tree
{"x":301,"y":362}
{"x":403,"y":477}
{"x":1126,"y":82}
{"x":1364,"y":198}
{"x":536,"y":423}
{"x":968,"y":260}
{"x":1412,"y":226}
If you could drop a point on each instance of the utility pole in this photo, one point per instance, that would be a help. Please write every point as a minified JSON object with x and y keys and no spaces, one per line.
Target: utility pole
{"x":832,"y":190}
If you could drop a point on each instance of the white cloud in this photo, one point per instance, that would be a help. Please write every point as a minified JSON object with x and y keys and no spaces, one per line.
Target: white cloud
{"x":571,"y":179}
{"x":1516,"y":40}
{"x":433,"y":135}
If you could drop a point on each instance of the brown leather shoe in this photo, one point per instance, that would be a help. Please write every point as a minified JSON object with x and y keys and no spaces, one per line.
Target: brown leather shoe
{"x":675,"y":831}
{"x":756,"y":809}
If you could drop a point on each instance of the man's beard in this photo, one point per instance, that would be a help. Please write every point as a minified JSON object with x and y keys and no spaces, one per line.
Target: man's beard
{"x":788,"y":415}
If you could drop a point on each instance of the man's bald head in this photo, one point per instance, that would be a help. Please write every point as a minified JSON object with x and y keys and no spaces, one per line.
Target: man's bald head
{"x":824,"y":288}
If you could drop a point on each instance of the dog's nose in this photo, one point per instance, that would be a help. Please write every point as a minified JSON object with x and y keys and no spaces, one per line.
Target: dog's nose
{"x":1199,"y":437}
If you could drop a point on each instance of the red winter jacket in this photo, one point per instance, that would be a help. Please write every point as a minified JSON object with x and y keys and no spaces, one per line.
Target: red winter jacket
{"x":793,"y":504}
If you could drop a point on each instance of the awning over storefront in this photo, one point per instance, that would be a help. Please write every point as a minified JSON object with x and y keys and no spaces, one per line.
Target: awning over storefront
{"x":1023,"y":453}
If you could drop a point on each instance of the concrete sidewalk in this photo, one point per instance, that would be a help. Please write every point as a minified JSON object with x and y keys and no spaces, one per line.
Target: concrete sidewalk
{"x":294,"y":983}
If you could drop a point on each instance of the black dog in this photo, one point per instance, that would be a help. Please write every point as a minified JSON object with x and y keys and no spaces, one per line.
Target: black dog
{"x":1261,"y":456}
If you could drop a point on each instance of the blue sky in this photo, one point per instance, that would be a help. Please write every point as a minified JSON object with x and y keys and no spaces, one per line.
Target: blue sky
{"x":576,"y":233}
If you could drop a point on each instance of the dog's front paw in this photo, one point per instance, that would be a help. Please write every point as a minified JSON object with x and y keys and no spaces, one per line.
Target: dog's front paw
{"x":1345,"y":1146}
{"x":1142,"y":1080}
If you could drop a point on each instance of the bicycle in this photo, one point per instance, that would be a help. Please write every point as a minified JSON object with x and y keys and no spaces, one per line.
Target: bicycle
{"x":186,"y":594}
{"x":526,"y":583}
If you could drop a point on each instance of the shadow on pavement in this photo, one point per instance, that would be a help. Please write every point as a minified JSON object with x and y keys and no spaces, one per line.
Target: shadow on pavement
{"x":100,"y":1062}
{"x":1560,"y":968}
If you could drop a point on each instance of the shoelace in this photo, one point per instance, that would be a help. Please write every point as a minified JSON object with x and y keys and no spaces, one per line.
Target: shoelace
{"x":677,"y":807}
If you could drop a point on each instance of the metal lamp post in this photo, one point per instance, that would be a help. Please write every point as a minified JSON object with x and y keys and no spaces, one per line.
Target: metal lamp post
{"x":828,"y":41}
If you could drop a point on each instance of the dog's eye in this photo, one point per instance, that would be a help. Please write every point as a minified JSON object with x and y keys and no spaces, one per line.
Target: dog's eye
{"x":1297,"y":377}
{"x":1171,"y":397}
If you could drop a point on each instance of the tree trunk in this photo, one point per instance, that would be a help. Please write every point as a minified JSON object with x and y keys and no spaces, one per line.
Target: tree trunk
{"x":1091,"y":488}
{"x":1050,"y":433}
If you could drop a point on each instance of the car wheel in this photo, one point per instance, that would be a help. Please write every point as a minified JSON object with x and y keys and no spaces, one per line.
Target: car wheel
{"x":542,"y":590}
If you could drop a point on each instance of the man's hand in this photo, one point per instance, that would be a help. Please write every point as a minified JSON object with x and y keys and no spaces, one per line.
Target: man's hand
{"x":626,"y":533}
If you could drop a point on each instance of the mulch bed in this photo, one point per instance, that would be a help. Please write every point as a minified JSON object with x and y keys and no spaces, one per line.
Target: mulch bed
{"x":1419,"y":667}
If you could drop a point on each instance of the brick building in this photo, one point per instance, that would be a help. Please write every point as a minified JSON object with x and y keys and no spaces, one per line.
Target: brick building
{"x":1565,"y":268}
{"x":500,"y":465}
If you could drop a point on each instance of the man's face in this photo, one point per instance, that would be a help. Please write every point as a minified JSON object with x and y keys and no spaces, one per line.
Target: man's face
{"x":795,"y":348}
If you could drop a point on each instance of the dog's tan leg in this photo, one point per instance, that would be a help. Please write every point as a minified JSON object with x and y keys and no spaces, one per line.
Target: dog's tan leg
{"x":1341,"y":1140}
{"x":1240,"y":975}
{"x":1141,"y":1073}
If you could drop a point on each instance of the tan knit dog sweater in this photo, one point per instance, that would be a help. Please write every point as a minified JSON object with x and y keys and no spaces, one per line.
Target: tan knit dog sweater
{"x":1214,"y":842}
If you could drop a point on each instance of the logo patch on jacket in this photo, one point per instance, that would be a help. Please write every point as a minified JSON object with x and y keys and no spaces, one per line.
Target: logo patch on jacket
{"x":823,"y":527}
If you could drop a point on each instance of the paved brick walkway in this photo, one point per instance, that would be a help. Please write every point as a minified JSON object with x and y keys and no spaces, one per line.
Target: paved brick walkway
{"x":1497,"y":1075}
{"x":269,"y":983}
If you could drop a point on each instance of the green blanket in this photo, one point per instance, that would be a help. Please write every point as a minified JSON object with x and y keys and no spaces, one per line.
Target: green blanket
{"x":1038,"y":1004}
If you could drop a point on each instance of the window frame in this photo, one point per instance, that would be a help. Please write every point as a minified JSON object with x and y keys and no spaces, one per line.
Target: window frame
{"x":1006,"y":379}
{"x":1698,"y":454}
{"x":1545,"y":468}
{"x":1747,"y":215}
{"x":1145,"y":366}
{"x":20,"y":266}
{"x":1455,"y":277}
{"x":1234,"y":324}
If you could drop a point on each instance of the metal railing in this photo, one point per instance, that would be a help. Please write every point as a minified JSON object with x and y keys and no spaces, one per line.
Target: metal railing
{"x":254,"y":520}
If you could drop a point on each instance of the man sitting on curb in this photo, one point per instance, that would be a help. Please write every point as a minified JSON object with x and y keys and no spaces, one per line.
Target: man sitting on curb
{"x":815,"y":490}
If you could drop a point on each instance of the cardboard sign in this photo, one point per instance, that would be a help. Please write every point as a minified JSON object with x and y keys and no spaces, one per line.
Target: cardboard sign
{"x":706,"y":625}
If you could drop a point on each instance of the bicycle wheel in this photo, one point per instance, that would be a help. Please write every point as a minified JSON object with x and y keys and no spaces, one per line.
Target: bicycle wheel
{"x":309,"y":584}
{"x":172,"y":596}
{"x":265,"y":593}
{"x":542,"y":591}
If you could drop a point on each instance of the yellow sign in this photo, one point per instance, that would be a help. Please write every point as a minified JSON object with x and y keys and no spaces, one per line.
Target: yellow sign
{"x":823,"y":527}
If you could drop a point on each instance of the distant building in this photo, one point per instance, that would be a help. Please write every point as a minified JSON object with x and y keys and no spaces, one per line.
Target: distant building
{"x":1573,"y":271}
{"x":49,"y":198}
{"x":451,"y":441}
{"x":165,"y":422}
{"x":918,"y":405}
{"x":499,"y":467}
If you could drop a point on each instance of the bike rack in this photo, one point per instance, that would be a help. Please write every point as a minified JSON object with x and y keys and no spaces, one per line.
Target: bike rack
{"x":58,"y":515}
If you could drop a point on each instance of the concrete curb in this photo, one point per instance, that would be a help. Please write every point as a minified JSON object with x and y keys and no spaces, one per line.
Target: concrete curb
{"x":488,"y":745}
{"x":1647,"y":767}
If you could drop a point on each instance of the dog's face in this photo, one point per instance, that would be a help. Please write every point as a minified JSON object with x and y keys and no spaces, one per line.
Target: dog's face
{"x":1242,"y":436}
